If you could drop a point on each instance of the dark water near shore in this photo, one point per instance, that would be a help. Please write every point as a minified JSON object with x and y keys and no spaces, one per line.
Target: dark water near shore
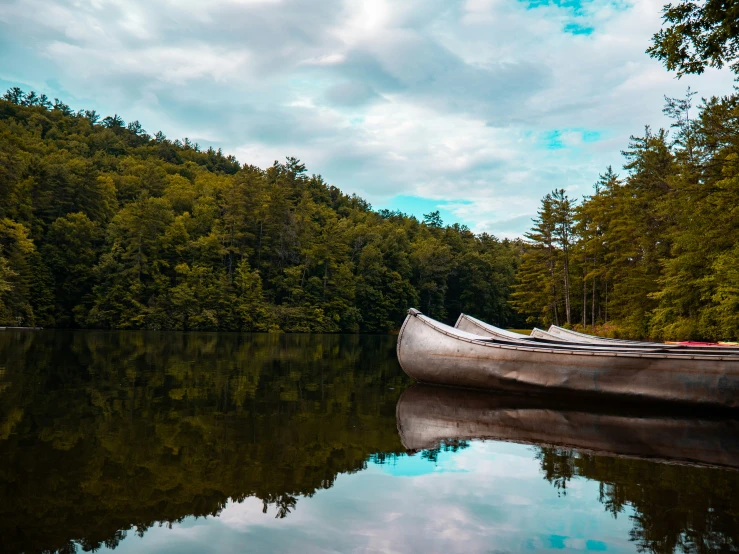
{"x":166,"y":442}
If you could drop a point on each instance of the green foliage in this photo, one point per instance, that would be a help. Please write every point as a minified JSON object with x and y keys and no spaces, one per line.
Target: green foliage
{"x":544,"y":279}
{"x":699,"y":34}
{"x":653,"y":254}
{"x":104,"y":225}
{"x":6,"y":285}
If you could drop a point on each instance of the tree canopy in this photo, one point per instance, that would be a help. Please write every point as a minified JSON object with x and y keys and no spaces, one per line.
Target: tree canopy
{"x":103,"y":225}
{"x":651,"y":253}
{"x":698,"y":34}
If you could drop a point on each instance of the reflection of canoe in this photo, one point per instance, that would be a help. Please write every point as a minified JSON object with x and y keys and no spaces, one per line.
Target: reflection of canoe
{"x":432,"y":352}
{"x":428,"y":416}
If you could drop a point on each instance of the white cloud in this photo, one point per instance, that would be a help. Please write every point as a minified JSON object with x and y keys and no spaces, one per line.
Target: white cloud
{"x":455,"y":101}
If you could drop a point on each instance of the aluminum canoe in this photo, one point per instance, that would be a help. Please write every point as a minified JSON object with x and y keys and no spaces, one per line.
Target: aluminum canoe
{"x":431,"y":352}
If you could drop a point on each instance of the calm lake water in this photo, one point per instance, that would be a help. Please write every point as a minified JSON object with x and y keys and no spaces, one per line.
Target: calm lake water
{"x":221,"y":443}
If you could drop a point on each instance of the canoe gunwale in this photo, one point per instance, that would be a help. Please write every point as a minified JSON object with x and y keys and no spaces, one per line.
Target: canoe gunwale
{"x":634,"y":346}
{"x":567,"y":334}
{"x":484,"y":327}
{"x":546,"y":335}
{"x":599,"y":352}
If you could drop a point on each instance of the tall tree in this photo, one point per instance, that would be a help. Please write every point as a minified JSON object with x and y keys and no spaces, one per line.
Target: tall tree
{"x":537,"y":292}
{"x":563,"y":211}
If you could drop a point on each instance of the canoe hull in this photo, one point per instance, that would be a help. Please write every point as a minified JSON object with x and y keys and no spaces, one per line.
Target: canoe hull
{"x":433,"y":353}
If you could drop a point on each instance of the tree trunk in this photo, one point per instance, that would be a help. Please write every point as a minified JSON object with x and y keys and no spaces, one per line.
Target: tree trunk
{"x":325,"y":279}
{"x":592,"y":308}
{"x":567,"y":287}
{"x":259,"y":248}
{"x":584,"y":298}
{"x":554,"y":286}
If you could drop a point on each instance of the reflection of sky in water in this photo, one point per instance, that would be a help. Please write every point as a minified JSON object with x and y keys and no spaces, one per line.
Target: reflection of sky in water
{"x":489,"y":497}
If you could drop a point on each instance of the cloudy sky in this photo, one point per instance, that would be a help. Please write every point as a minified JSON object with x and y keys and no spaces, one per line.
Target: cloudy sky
{"x":473,"y":107}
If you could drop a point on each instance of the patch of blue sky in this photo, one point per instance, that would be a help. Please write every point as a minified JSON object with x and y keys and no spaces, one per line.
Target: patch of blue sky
{"x":575,"y":5}
{"x":578,"y":6}
{"x":555,"y":139}
{"x":621,"y":5}
{"x":418,"y":206}
{"x":577,"y":29}
{"x":557,"y":541}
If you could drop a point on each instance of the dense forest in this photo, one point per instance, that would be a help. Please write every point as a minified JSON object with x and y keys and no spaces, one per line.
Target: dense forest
{"x":654,"y":253}
{"x":105,"y":226}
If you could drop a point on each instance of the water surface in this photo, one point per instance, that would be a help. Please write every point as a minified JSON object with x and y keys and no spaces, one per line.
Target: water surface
{"x":168,"y":442}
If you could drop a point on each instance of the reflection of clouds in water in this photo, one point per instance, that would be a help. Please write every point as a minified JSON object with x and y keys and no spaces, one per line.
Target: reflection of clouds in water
{"x":488,"y":497}
{"x":506,"y":460}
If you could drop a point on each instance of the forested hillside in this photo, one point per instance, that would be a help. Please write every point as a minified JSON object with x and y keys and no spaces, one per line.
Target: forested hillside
{"x":653,"y":252}
{"x":105,"y":226}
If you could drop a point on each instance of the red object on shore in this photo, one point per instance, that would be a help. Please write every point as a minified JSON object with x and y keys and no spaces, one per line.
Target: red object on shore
{"x":696,"y":343}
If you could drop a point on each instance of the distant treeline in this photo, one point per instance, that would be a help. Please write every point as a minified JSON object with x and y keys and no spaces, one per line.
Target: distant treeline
{"x":654,"y":253}
{"x":103,"y":225}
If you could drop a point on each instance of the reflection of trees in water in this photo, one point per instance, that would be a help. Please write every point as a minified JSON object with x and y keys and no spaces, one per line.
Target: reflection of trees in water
{"x":106,"y":432}
{"x":676,"y":508}
{"x":432,"y":455}
{"x":283,"y":502}
{"x":556,"y":463}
